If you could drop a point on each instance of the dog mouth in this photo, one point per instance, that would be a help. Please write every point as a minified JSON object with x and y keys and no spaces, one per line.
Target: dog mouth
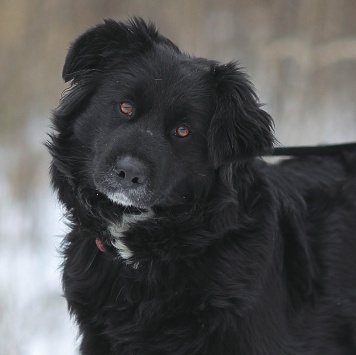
{"x":121,"y":198}
{"x":129,"y":198}
{"x":139,"y":196}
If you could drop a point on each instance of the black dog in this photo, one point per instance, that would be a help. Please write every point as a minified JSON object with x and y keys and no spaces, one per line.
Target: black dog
{"x":183,"y":241}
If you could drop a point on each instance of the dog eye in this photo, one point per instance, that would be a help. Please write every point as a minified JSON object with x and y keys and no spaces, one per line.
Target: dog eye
{"x":126,"y":108}
{"x":182,"y":131}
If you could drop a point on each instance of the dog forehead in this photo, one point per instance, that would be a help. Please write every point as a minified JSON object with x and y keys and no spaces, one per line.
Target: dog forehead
{"x":175,"y":80}
{"x":163,"y":69}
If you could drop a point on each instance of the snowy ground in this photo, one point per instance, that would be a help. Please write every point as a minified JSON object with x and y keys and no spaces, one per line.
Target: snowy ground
{"x":33,"y":315}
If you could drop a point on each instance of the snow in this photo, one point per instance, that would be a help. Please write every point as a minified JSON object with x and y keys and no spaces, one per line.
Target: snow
{"x":33,"y":314}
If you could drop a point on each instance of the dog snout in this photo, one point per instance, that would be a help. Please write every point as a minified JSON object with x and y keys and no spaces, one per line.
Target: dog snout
{"x":131,"y":172}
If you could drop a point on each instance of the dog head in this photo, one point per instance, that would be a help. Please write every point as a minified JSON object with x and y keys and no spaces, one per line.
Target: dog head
{"x":146,"y":125}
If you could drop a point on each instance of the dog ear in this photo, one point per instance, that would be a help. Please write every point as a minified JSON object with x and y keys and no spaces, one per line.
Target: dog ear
{"x":93,"y":49}
{"x":239,"y":128}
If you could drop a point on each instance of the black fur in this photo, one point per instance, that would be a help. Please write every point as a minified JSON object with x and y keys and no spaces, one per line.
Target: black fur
{"x":238,"y":256}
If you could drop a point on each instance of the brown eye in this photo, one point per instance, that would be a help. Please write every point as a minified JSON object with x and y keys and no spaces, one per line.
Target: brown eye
{"x":126,"y":108}
{"x":182,"y":131}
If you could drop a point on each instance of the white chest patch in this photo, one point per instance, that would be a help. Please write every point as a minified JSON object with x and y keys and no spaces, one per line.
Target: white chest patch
{"x":118,"y":231}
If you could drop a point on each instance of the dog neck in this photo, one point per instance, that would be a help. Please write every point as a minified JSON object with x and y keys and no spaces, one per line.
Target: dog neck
{"x":117,"y":231}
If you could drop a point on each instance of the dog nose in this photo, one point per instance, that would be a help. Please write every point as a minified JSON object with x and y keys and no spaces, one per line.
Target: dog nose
{"x":130,"y":171}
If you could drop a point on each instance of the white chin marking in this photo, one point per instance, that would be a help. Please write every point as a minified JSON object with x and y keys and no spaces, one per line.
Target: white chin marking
{"x":120,"y":199}
{"x":118,"y":231}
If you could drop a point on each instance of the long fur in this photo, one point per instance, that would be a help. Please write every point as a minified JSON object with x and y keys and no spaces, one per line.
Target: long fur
{"x":220,"y":253}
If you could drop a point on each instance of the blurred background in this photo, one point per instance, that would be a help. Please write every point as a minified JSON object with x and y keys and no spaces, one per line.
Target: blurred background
{"x":300,"y":54}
